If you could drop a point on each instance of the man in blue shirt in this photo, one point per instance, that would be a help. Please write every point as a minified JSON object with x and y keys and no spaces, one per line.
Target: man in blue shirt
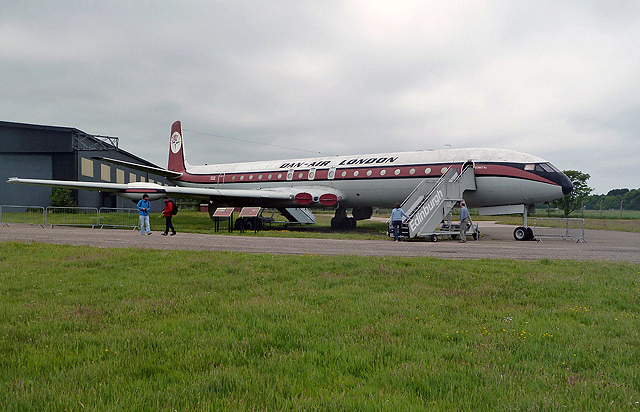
{"x":143,"y":210}
{"x":396,"y":220}
{"x":464,"y":220}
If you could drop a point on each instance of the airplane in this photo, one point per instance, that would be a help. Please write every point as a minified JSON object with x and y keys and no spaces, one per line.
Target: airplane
{"x":356,"y":182}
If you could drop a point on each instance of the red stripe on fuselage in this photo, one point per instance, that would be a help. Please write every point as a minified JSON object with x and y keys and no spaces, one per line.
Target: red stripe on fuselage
{"x":361,"y":173}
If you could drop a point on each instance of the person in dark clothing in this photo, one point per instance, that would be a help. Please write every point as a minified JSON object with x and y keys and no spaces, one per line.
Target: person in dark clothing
{"x":166,"y":212}
{"x":465,"y":219}
{"x":396,"y":220}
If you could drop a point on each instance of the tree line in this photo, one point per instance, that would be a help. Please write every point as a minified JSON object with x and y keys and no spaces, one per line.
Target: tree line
{"x":581,"y":196}
{"x":628,"y":199}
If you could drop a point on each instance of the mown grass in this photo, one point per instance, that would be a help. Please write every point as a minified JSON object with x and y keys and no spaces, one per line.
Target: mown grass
{"x":121,"y":329}
{"x":197,"y":222}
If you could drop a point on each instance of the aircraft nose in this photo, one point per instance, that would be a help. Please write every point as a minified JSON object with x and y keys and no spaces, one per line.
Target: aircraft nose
{"x":566,"y":184}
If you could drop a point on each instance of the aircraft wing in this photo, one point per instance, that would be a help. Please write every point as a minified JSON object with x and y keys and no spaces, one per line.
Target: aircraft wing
{"x":268,"y":197}
{"x":71,"y":184}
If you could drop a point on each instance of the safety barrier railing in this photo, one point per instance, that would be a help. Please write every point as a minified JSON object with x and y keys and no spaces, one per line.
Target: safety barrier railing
{"x":72,"y":216}
{"x":559,"y":228}
{"x":69,"y":216}
{"x":26,"y":215}
{"x":114,"y":217}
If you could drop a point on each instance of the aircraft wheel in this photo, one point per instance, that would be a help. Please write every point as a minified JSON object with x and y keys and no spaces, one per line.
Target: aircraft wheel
{"x":520,"y":233}
{"x":343,"y":224}
{"x":530,"y":234}
{"x":249,"y":224}
{"x":476,"y":235}
{"x":434,"y":238}
{"x":339,"y":224}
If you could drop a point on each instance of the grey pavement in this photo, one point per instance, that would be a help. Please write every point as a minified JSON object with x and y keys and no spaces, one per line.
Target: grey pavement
{"x":496,"y":242}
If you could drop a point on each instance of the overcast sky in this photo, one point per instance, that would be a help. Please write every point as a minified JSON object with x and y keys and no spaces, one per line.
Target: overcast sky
{"x":557,"y":79}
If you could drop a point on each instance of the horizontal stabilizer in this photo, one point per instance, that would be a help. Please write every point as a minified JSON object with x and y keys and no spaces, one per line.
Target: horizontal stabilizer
{"x":150,"y":169}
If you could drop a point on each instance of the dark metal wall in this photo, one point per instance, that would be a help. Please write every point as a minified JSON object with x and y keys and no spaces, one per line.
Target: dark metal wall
{"x":47,"y":152}
{"x":15,"y":138}
{"x":38,"y":166}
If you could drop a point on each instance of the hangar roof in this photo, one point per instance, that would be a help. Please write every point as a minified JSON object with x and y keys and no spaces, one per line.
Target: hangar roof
{"x":32,"y":138}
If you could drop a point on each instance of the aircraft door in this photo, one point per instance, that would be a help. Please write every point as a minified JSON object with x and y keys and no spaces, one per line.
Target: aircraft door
{"x":332,"y":173}
{"x":290,"y":174}
{"x":312,"y":173}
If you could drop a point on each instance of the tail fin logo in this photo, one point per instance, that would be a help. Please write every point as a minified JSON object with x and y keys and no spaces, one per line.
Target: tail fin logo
{"x":176,"y":142}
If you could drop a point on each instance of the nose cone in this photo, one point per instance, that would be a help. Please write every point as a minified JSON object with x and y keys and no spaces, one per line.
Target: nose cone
{"x":566,"y":184}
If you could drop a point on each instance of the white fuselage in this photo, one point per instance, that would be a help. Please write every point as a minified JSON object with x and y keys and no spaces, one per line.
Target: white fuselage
{"x":384,"y":179}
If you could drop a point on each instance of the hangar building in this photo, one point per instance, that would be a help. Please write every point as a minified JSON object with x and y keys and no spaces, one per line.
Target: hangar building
{"x":63,"y":153}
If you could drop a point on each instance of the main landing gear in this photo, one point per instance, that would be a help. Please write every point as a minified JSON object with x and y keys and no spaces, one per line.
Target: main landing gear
{"x":341,"y":222}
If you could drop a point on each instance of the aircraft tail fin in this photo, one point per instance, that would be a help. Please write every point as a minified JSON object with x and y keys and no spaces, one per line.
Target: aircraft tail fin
{"x":177,"y":162}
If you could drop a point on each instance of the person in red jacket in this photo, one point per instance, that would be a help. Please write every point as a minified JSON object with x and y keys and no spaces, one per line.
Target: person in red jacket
{"x":166,"y":212}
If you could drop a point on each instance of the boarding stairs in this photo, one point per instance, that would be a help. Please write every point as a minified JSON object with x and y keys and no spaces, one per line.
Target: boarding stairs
{"x":429,"y":204}
{"x":303,"y":216}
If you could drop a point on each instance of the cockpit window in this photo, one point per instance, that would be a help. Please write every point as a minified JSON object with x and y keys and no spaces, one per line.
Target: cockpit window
{"x":545,"y":167}
{"x":530,"y":167}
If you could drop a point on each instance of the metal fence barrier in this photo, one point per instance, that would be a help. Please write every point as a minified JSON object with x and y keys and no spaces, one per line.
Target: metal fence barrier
{"x":114,"y":217}
{"x":69,"y":216}
{"x":559,"y":229}
{"x":29,"y":215}
{"x":72,"y":216}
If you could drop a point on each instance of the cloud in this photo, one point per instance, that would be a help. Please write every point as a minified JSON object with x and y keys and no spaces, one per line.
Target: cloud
{"x":558,"y":80}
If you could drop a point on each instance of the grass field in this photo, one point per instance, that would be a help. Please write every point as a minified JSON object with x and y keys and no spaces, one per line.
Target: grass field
{"x":196,"y":222}
{"x":129,"y":330}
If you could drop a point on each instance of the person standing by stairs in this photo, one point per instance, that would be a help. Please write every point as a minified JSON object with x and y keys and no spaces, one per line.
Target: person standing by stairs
{"x":396,"y":220}
{"x":465,"y":218}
